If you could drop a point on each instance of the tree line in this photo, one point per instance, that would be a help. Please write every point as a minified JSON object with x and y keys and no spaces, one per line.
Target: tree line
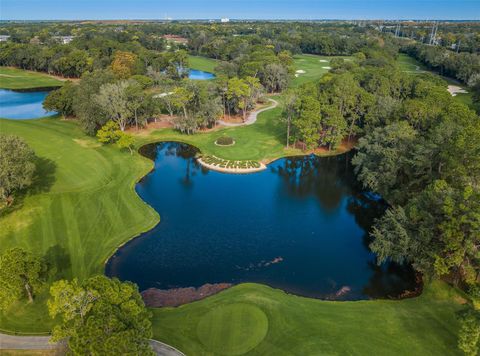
{"x":419,"y":149}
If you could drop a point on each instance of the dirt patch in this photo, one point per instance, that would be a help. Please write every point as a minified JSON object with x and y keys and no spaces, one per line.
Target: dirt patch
{"x":345,"y":146}
{"x":162,"y":122}
{"x":178,"y":296}
{"x":234,"y":119}
{"x":460,"y":300}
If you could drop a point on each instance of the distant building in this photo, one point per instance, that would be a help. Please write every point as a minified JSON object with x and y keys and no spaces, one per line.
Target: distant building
{"x":224,"y":20}
{"x":64,"y":39}
{"x":176,"y":39}
{"x":4,"y":38}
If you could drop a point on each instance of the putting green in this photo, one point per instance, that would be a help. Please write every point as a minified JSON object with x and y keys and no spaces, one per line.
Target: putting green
{"x":232,"y":329}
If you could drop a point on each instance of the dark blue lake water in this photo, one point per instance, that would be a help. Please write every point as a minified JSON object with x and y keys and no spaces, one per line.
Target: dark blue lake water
{"x":301,"y":225}
{"x":200,"y":75}
{"x":23,"y":105}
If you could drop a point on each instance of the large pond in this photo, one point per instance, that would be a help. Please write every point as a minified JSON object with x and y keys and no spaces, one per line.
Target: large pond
{"x":22,"y":105}
{"x":301,"y":225}
{"x":200,"y":75}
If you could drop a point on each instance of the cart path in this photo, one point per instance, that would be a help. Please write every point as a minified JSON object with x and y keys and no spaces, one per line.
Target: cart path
{"x":14,"y":342}
{"x":252,"y":117}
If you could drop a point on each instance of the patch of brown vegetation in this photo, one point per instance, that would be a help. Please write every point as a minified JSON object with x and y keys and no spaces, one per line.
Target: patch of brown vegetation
{"x":345,"y":146}
{"x":178,"y":296}
{"x":460,"y":300}
{"x":234,"y":119}
{"x":161,"y":122}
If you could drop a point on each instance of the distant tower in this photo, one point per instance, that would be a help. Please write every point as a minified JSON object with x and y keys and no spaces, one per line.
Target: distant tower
{"x":397,"y":30}
{"x":433,"y":35}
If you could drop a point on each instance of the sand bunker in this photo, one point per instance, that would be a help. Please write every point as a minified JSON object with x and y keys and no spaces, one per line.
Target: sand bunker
{"x":297,"y":75}
{"x":162,"y":95}
{"x":300,"y":71}
{"x":327,"y":67}
{"x":323,"y":60}
{"x":455,"y":89}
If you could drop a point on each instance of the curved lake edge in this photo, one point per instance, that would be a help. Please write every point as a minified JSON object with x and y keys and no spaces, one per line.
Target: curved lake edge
{"x":33,"y":89}
{"x":406,"y":294}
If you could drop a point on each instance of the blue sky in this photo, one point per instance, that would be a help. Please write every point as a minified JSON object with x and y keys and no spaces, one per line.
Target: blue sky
{"x":239,"y":9}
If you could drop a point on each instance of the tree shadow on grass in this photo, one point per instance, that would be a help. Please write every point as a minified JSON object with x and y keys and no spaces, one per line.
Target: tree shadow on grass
{"x":44,"y":176}
{"x":58,"y":262}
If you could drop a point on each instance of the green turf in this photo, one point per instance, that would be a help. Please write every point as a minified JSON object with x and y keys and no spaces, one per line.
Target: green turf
{"x":262,"y":141}
{"x":314,"y":69}
{"x":202,"y":63}
{"x":13,"y":78}
{"x":301,"y":326}
{"x":232,"y":329}
{"x":411,"y":65}
{"x":80,"y":210}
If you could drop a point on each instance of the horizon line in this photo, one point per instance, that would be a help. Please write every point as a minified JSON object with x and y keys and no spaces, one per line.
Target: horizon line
{"x":246,"y":19}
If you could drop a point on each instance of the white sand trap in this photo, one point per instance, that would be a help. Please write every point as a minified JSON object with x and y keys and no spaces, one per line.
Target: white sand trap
{"x":300,"y":71}
{"x":455,"y":89}
{"x":323,"y":60}
{"x":297,"y":75}
{"x":327,"y":67}
{"x":162,"y":95}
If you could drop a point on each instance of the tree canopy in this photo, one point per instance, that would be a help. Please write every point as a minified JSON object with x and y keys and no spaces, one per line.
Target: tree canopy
{"x":100,"y":316}
{"x":17,"y":167}
{"x":22,"y":274}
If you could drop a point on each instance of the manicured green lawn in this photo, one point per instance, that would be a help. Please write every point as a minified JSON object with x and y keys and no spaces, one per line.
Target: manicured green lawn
{"x":81,"y":209}
{"x":313,"y":66}
{"x":262,"y":141}
{"x":263,"y":321}
{"x":202,"y":63}
{"x":13,"y":78}
{"x":411,"y":65}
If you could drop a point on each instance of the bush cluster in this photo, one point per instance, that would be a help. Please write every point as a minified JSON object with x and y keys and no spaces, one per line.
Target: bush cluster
{"x":225,"y":163}
{"x":225,"y":141}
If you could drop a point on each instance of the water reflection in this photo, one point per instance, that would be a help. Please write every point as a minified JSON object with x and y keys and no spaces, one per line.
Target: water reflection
{"x":301,"y":226}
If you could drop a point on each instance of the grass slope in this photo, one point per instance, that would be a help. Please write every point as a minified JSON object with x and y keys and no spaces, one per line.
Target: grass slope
{"x":301,"y":326}
{"x":13,"y":78}
{"x":81,"y":209}
{"x":202,"y":63}
{"x":411,"y":65}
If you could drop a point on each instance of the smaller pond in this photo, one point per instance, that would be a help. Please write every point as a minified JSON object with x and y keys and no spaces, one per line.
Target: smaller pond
{"x":200,"y":75}
{"x":19,"y":105}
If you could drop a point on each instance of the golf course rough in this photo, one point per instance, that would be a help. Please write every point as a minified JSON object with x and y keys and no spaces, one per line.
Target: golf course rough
{"x":232,"y":329}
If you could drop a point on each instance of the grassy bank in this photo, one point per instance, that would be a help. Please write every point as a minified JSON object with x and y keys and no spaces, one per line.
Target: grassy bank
{"x":258,"y":320}
{"x":13,"y":78}
{"x":81,"y":208}
{"x":202,"y":63}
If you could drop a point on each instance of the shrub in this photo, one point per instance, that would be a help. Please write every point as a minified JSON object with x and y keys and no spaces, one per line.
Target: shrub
{"x":225,"y":141}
